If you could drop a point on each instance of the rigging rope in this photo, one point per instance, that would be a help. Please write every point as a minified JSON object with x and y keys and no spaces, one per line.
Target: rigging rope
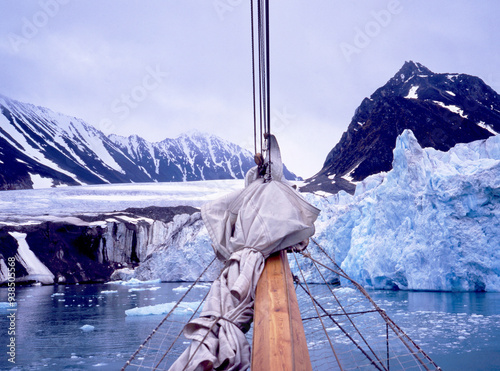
{"x":180,"y":332}
{"x":317,"y":311}
{"x":403,"y":337}
{"x":351,"y":308}
{"x":167,"y":317}
{"x":253,"y":83}
{"x":348,"y":316}
{"x":315,"y":302}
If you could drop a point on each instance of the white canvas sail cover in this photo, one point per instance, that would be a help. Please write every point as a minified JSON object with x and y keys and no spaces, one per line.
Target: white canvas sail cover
{"x":245,"y":227}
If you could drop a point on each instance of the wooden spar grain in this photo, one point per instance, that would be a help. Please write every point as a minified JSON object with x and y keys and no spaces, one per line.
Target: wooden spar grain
{"x":279,"y":341}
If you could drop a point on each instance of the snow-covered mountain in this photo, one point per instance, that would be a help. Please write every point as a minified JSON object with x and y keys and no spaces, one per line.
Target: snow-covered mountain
{"x":441,"y":109}
{"x":37,"y":143}
{"x":191,"y":156}
{"x":39,"y":146}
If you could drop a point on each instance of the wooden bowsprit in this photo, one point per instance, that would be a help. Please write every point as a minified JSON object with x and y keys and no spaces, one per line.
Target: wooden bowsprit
{"x":279,"y":341}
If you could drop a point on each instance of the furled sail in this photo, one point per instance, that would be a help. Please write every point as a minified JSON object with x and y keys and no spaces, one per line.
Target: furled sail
{"x":246,"y":226}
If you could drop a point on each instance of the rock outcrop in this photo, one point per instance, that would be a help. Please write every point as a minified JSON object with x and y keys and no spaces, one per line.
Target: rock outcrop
{"x":89,"y":248}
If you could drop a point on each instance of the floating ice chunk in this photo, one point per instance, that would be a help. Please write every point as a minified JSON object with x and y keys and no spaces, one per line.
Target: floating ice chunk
{"x":202,"y":286}
{"x":144,"y":289}
{"x":185,"y":288}
{"x":6,"y":304}
{"x":87,"y":328}
{"x":57,"y":294}
{"x":181,"y":289}
{"x":117,"y":282}
{"x":183,"y":308}
{"x":135,"y":281}
{"x":345,"y":291}
{"x":109,"y":291}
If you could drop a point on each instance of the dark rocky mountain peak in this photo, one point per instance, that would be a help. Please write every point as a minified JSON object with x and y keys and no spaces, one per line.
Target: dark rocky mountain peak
{"x":441,"y":109}
{"x":411,"y":69}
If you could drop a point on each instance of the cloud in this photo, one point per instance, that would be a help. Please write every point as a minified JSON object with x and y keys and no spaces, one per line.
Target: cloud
{"x":84,"y":56}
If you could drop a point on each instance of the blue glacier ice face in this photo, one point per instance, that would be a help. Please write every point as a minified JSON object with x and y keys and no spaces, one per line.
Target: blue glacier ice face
{"x":431,"y":223}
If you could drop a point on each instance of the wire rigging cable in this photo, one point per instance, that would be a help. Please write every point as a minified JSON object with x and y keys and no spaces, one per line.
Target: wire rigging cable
{"x":261,"y":71}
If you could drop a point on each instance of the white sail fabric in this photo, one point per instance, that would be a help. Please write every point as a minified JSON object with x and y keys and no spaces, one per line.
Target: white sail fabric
{"x":245,"y":227}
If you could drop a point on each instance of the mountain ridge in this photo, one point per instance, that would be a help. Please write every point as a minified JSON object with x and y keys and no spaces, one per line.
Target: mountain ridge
{"x":38,"y":143}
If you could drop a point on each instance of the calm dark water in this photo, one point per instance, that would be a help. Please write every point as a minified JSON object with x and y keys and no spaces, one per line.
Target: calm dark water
{"x":460,"y":331}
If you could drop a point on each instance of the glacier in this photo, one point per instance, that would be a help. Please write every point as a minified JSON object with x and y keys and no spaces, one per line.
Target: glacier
{"x":88,"y":248}
{"x":182,"y":261}
{"x":431,"y":223}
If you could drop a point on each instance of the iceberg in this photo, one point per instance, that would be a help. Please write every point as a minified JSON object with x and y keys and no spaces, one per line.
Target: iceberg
{"x":134,"y":282}
{"x":431,"y":223}
{"x":185,"y":288}
{"x":87,"y":328}
{"x":133,"y":289}
{"x":182,"y":308}
{"x":7,"y":305}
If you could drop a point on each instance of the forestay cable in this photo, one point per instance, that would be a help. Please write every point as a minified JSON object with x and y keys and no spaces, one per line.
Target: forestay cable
{"x":261,"y":83}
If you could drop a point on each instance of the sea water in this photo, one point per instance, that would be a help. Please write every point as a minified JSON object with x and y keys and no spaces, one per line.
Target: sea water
{"x":95,"y":326}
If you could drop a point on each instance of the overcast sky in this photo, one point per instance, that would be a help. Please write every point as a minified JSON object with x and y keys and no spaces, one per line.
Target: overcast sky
{"x":158,"y":68}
